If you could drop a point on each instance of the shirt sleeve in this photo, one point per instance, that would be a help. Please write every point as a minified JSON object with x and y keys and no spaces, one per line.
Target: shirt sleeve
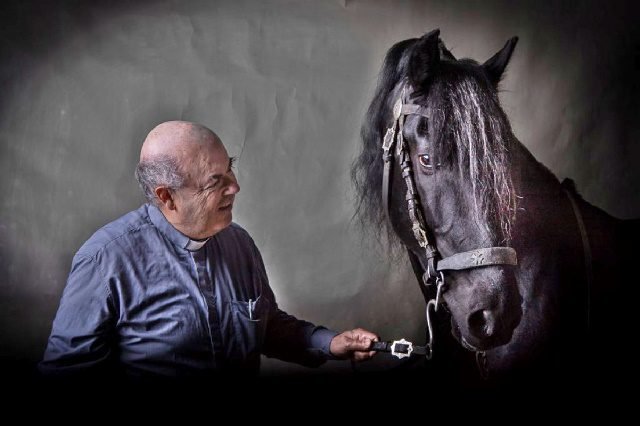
{"x":82,"y":328}
{"x":321,"y":340}
{"x":294,"y":340}
{"x":288,"y":338}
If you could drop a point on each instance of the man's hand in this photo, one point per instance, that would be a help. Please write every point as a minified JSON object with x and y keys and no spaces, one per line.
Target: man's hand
{"x":353,"y":344}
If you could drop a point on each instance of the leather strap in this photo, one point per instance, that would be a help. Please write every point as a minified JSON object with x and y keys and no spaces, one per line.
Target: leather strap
{"x":413,"y":109}
{"x":586,"y":248}
{"x":388,"y":143}
{"x":479,"y":257}
{"x":386,"y":182}
{"x":420,"y":275}
{"x":386,"y":347}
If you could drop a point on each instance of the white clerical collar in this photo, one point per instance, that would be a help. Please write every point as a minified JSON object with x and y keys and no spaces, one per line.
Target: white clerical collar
{"x":194,"y":245}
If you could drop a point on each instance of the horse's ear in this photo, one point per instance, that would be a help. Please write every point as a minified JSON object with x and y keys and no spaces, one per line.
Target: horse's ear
{"x":445,"y":53}
{"x":424,"y":58}
{"x":496,"y":65}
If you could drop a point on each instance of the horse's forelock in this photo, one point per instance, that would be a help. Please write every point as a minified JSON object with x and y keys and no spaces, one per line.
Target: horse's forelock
{"x":472,"y":131}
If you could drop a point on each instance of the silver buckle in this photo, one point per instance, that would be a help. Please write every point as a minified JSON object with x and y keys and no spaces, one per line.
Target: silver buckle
{"x":419,"y":234}
{"x":387,"y":141}
{"x":401,"y":355}
{"x":397,"y":109}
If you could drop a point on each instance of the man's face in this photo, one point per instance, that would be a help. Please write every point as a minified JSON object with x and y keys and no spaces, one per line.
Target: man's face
{"x":204,"y":204}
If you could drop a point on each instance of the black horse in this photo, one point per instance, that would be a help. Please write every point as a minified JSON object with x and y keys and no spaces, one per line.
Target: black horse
{"x":476,"y":190}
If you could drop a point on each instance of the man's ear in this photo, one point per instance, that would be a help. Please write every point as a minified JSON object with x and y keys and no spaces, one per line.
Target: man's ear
{"x":166,"y":197}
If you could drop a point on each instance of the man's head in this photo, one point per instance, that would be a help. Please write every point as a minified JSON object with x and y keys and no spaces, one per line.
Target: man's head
{"x":184,"y":170}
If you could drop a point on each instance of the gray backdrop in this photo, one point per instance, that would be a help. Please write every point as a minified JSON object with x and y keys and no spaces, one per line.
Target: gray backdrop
{"x":285,"y":84}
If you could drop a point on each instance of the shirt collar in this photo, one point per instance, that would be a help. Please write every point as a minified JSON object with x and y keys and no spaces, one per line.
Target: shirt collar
{"x":175,"y":236}
{"x":195,"y":245}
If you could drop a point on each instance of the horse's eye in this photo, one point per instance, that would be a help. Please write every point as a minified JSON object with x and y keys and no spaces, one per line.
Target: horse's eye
{"x":425,"y":161}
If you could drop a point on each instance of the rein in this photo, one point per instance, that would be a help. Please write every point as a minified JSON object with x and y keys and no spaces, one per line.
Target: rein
{"x":586,"y":252}
{"x":436,"y":267}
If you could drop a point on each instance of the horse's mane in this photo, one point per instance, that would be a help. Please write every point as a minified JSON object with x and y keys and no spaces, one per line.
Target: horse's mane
{"x":570,"y":185}
{"x":469,"y":129}
{"x":366,"y":171}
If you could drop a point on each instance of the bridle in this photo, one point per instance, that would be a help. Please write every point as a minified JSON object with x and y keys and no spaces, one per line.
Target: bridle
{"x":434,"y":274}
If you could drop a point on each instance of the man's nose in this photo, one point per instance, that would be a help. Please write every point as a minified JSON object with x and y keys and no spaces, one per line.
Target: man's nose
{"x":232,"y":187}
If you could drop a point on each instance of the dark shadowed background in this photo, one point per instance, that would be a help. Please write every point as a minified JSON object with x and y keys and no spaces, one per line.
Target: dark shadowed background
{"x":285,"y":84}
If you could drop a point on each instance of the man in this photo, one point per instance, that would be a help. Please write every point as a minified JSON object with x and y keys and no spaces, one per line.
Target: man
{"x":175,"y":288}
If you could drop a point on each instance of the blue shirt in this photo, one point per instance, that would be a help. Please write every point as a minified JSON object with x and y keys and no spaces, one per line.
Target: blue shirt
{"x":140,"y":296}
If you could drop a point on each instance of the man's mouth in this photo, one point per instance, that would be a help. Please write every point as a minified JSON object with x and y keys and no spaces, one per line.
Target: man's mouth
{"x":226,"y":206}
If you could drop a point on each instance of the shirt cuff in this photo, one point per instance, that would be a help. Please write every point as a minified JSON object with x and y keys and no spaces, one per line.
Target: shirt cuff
{"x":321,"y":340}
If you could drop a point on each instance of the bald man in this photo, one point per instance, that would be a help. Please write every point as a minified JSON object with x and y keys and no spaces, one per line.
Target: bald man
{"x":175,"y":288}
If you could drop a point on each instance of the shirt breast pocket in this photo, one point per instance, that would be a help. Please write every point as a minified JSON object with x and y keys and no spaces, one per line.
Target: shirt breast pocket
{"x":249,"y":320}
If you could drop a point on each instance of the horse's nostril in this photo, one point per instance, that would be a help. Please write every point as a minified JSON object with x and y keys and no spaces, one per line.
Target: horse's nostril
{"x":481,"y":323}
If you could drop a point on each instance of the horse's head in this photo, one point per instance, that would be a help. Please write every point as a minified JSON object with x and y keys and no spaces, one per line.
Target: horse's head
{"x":458,"y":141}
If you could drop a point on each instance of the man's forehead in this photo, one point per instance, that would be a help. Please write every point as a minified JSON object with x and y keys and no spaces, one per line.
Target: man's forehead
{"x":213,"y":167}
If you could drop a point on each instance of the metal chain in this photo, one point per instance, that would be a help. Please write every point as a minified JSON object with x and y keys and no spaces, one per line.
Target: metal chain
{"x":433,"y":304}
{"x":483,"y":365}
{"x":430,"y":339}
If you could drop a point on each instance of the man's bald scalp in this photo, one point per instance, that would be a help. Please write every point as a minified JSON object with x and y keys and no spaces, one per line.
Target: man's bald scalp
{"x":172,"y":138}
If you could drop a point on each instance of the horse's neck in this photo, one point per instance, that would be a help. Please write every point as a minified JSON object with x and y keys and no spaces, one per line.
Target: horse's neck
{"x":533,"y":238}
{"x":542,"y":193}
{"x":562,"y":226}
{"x":544,"y":237}
{"x":545,"y":225}
{"x":553,"y":275}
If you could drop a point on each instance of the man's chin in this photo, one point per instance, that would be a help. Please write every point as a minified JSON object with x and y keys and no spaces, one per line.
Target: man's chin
{"x":221,"y":226}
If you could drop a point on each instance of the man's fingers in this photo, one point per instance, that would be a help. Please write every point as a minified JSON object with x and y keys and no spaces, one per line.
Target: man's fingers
{"x":354,"y":344}
{"x":361,"y":347}
{"x":359,"y":344}
{"x":365,"y":333}
{"x":364,"y":336}
{"x":363,"y":356}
